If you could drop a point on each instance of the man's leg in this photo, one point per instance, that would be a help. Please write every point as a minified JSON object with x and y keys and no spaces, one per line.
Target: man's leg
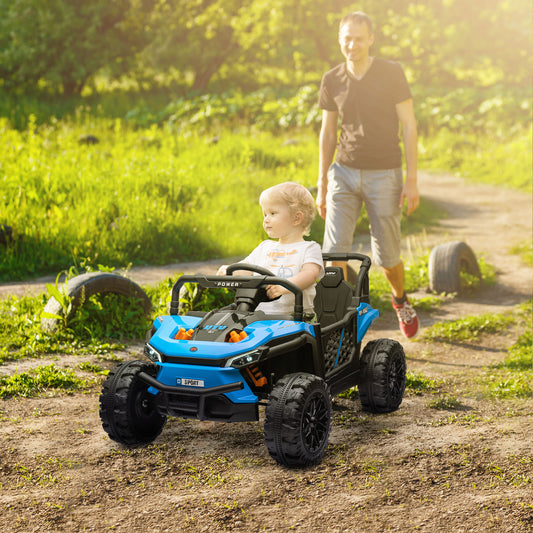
{"x":395,"y":277}
{"x":343,"y":208}
{"x":382,"y":192}
{"x":407,"y":317}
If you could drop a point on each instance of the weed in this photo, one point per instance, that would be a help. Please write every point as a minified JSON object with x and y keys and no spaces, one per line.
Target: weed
{"x":417,"y":383}
{"x":513,"y":377}
{"x":446,"y":403}
{"x":467,"y":328}
{"x":427,"y":303}
{"x":350,"y":394}
{"x":90,"y":367}
{"x":509,"y":385}
{"x":36,"y":381}
{"x":461,"y":420}
{"x":525,"y":251}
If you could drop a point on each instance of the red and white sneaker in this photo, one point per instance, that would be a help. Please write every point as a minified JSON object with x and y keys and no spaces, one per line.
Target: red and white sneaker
{"x":407,"y":318}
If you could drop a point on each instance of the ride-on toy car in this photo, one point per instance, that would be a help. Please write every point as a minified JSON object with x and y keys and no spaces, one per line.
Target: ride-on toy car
{"x":223,"y":364}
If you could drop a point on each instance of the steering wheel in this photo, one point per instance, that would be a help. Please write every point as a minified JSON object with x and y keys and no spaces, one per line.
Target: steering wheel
{"x":246,"y":266}
{"x":261,"y":291}
{"x":249,"y":290}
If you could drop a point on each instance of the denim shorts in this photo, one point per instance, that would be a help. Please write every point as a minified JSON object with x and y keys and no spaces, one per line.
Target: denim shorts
{"x":380,"y":190}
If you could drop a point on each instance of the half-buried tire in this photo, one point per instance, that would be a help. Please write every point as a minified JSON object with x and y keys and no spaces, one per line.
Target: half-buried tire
{"x":82,"y":287}
{"x":446,"y":262}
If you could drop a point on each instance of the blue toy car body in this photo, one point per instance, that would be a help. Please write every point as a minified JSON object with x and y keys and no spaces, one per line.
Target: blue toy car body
{"x":224,"y":364}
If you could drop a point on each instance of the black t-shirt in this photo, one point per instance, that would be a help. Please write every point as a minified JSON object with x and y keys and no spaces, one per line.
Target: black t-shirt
{"x":367,"y":109}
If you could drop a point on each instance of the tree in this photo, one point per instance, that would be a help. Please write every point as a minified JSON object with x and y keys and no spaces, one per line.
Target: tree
{"x":64,"y":42}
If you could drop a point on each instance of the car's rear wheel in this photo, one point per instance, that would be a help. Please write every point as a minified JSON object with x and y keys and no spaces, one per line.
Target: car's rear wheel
{"x":383,"y":376}
{"x":298,"y":420}
{"x":127,"y":410}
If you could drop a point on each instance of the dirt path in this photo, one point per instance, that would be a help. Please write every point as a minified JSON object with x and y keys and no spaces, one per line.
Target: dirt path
{"x":466,"y":468}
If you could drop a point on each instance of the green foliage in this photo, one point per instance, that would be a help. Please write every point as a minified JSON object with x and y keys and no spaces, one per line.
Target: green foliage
{"x":525,"y":251}
{"x":41,"y":379}
{"x":109,"y":316}
{"x":416,"y":277}
{"x":93,"y":368}
{"x":157,"y":211}
{"x":467,"y":328}
{"x":195,"y":298}
{"x":98,"y":326}
{"x":252,"y":43}
{"x":21,"y":334}
{"x":417,"y":383}
{"x":502,"y":160}
{"x":446,"y":402}
{"x":61,"y":44}
{"x":509,"y":385}
{"x":520,"y":354}
{"x":266,"y":109}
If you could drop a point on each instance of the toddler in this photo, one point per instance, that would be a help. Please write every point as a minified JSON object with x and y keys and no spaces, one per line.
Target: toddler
{"x":288,"y":210}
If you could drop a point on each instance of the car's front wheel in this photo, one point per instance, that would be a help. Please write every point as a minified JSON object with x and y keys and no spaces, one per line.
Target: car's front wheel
{"x":127,"y":410}
{"x":298,"y":420}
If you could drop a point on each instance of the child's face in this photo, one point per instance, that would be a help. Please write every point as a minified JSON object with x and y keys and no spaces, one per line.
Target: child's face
{"x":278,"y":221}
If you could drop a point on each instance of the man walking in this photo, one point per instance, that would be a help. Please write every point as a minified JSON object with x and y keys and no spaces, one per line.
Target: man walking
{"x":371,"y":97}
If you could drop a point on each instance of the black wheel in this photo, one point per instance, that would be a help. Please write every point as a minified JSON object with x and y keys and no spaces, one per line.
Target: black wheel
{"x":84,"y":286}
{"x":298,"y":420}
{"x":383,"y":376}
{"x":127,"y":409}
{"x":446,"y":262}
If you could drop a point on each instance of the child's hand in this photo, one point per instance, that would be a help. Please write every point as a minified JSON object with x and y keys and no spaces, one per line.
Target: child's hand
{"x":275,"y":291}
{"x":222,"y":270}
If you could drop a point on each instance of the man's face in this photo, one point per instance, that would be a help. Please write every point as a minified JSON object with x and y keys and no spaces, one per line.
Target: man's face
{"x":355,"y":41}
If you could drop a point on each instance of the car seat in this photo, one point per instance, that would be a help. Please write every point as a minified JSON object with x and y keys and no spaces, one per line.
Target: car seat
{"x":333,"y":296}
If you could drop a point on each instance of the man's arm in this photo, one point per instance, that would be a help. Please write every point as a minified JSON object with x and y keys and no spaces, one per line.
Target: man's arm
{"x":327,"y":143}
{"x":406,"y":115}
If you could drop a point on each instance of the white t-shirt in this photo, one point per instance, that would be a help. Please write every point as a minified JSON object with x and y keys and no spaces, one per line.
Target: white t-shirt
{"x":285,"y":261}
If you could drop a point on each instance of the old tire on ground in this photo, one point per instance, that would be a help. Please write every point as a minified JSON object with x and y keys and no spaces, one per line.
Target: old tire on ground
{"x":127,"y":409}
{"x":383,"y":376}
{"x":83,"y":286}
{"x":446,"y":262}
{"x":298,"y":420}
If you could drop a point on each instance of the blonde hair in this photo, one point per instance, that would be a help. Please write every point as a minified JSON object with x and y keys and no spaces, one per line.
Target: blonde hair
{"x":296,"y":197}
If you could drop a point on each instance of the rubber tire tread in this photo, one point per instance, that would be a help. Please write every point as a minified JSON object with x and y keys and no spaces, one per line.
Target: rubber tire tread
{"x":117,"y":410}
{"x":375,"y":385}
{"x":85,"y":285}
{"x":283,"y":416}
{"x":445,"y":264}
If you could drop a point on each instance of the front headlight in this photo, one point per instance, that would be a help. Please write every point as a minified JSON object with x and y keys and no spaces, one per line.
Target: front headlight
{"x":244,"y":359}
{"x":152,"y":353}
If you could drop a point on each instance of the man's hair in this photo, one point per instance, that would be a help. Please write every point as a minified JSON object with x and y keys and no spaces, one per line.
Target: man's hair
{"x":296,"y":197}
{"x":357,"y":17}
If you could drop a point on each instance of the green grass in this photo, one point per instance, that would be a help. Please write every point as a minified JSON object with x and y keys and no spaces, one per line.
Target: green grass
{"x":138,"y":196}
{"x":503,"y":160}
{"x":43,"y":378}
{"x":159,"y":189}
{"x":417,"y":383}
{"x":525,"y":251}
{"x":446,"y":402}
{"x":513,"y":377}
{"x":467,"y":328}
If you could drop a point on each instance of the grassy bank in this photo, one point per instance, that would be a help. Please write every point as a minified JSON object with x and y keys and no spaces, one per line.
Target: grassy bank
{"x":504,"y":161}
{"x":97,"y":191}
{"x":180,"y":182}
